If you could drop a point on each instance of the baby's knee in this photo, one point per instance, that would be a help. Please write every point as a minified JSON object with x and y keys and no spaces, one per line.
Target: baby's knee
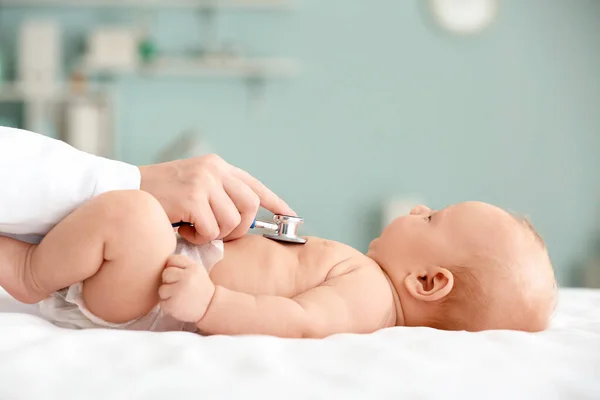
{"x":127,"y":205}
{"x":136,"y":212}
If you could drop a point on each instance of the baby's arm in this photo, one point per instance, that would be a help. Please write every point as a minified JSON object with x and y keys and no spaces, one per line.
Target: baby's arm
{"x":357,"y":301}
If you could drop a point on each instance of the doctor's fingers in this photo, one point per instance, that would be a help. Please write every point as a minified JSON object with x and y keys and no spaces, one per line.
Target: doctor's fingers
{"x":268,"y":199}
{"x":205,"y":226}
{"x":246,"y":202}
{"x":225,"y":212}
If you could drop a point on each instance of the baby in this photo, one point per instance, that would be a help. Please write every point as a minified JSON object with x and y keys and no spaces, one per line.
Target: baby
{"x":471,"y":266}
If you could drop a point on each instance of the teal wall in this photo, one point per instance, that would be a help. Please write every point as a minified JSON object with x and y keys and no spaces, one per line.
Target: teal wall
{"x":388,"y":104}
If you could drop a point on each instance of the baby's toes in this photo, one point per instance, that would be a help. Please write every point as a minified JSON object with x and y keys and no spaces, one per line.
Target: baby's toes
{"x":172,"y":274}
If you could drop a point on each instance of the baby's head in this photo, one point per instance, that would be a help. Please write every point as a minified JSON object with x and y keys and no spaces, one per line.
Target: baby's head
{"x":470,"y":266}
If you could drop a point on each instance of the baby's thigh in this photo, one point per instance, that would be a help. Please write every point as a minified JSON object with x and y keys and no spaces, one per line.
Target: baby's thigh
{"x":126,"y":285}
{"x":119,"y":294}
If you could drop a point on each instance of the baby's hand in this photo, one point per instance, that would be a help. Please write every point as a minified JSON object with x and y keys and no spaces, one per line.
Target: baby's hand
{"x":186,"y":289}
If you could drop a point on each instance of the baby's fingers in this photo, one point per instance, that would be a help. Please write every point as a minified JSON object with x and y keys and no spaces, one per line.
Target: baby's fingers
{"x":180,"y":261}
{"x":172,"y":275}
{"x":165,"y":292}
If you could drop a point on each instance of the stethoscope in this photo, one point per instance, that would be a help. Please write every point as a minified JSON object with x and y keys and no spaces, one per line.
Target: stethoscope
{"x":284,"y":228}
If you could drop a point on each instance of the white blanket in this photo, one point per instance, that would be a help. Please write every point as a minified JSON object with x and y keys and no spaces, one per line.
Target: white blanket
{"x":40,"y":361}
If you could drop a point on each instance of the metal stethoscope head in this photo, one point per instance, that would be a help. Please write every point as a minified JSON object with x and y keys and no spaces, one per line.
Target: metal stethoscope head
{"x":284,"y":228}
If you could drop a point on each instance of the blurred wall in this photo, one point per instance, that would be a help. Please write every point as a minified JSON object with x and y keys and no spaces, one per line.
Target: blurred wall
{"x":388,"y":104}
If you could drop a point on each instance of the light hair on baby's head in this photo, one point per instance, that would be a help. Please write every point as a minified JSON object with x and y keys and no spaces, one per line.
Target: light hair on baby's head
{"x":518,"y":293}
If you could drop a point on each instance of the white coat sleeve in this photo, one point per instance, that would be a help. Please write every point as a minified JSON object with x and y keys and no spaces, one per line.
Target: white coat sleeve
{"x":42,"y":180}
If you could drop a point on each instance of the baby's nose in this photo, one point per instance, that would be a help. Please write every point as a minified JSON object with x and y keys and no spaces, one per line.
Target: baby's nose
{"x":420,"y":209}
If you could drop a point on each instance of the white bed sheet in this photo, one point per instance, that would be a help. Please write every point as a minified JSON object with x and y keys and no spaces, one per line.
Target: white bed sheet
{"x":41,"y":361}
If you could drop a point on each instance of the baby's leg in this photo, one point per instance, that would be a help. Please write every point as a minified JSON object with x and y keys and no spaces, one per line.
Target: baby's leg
{"x":117,"y":244}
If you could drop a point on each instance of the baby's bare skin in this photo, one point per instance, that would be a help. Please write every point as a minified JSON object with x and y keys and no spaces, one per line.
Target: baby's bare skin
{"x":257,"y":265}
{"x":121,"y":244}
{"x":311,"y":290}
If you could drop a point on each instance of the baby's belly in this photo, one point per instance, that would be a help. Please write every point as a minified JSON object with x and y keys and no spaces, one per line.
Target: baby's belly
{"x":256,"y":265}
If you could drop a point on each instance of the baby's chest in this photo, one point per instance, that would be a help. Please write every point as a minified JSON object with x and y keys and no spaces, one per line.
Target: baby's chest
{"x":262,"y":266}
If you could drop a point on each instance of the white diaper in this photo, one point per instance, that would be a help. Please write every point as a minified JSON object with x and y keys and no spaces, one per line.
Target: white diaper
{"x":67,"y":309}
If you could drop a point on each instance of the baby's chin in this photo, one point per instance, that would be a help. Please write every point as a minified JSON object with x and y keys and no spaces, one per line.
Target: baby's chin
{"x":373,"y":246}
{"x":373,"y":256}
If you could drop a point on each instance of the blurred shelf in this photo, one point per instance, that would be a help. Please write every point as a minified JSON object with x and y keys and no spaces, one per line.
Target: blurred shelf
{"x":9,"y":93}
{"x":226,"y":4}
{"x":15,"y":92}
{"x":229,"y":67}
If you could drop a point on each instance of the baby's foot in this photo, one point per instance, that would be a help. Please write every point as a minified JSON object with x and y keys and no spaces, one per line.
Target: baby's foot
{"x":187,"y":289}
{"x":16,"y":278}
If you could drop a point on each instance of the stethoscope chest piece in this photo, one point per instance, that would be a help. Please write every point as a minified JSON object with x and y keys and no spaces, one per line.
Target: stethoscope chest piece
{"x":285,"y":229}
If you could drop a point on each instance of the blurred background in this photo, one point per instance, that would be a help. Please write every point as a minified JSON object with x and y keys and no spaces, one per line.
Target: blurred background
{"x":353,"y":111}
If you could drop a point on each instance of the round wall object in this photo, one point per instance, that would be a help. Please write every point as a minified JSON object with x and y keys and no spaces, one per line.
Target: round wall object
{"x":464,"y":16}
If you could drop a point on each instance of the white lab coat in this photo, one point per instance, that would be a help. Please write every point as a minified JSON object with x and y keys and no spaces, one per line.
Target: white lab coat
{"x":42,"y":180}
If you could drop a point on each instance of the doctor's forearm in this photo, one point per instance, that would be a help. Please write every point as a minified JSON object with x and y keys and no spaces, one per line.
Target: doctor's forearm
{"x":42,"y":180}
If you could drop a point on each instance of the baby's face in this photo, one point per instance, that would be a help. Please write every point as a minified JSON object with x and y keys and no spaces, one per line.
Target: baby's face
{"x":446,"y":237}
{"x":510,"y":275}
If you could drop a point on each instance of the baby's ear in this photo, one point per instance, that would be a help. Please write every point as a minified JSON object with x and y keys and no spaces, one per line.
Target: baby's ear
{"x":431,"y":284}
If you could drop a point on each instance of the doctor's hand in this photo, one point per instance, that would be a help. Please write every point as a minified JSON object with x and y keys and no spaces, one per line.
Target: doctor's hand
{"x":220,"y":200}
